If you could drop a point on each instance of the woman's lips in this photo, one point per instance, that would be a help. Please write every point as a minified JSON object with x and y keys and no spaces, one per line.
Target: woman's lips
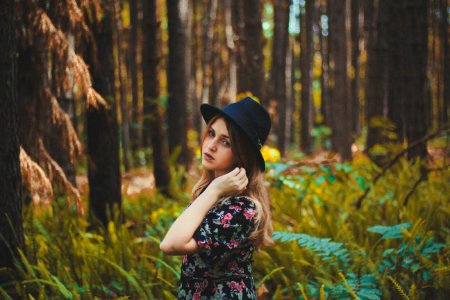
{"x":208,"y":156}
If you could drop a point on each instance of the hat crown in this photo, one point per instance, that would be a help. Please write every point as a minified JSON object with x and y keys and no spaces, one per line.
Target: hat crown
{"x":252,"y":118}
{"x":249,"y":116}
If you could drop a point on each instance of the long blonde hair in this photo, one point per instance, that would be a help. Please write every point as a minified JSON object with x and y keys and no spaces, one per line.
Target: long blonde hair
{"x":244,"y":154}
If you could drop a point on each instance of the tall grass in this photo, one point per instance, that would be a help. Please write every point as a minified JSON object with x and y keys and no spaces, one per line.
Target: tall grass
{"x":325,"y":248}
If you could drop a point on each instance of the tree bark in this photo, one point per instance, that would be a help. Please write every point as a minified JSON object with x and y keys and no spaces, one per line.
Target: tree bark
{"x":102,"y":132}
{"x":377,"y":51}
{"x":277,"y":84}
{"x":414,"y":49}
{"x":340,"y":103}
{"x":306,"y":67}
{"x":11,"y":230}
{"x":151,"y":59}
{"x":249,"y":44}
{"x":324,"y":80}
{"x":122,"y":86}
{"x":445,"y":52}
{"x":232,"y":89}
{"x":177,"y":81}
{"x":355,"y":80}
{"x":135,"y":46}
{"x":207,"y":52}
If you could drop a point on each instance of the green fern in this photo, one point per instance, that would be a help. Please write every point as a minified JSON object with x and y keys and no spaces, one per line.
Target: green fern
{"x":323,"y":247}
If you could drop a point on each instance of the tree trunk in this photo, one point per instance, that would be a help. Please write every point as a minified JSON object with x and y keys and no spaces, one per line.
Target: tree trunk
{"x":355,"y":38}
{"x":122,"y":85}
{"x":250,"y":58}
{"x":150,"y":70}
{"x":177,"y":81}
{"x":393,"y":37}
{"x":196,"y":66}
{"x":102,"y":132}
{"x":306,"y":67}
{"x":277,"y":92}
{"x":445,"y":52}
{"x":207,"y":52}
{"x":340,"y":103}
{"x":11,"y":230}
{"x":136,"y":117}
{"x":376,"y":95}
{"x":414,"y":49}
{"x":232,"y":89}
{"x":324,"y":80}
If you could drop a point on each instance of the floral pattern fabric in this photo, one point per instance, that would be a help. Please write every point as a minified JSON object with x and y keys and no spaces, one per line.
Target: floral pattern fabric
{"x":222,"y":268}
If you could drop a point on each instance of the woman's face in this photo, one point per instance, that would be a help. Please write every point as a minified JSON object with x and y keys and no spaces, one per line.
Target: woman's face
{"x":216,"y":149}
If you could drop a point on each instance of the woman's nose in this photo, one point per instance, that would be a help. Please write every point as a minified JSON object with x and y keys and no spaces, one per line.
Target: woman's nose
{"x":212,"y":145}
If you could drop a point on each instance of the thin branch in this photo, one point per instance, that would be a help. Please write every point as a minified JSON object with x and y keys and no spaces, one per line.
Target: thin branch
{"x":397,"y":158}
{"x":422,"y":178}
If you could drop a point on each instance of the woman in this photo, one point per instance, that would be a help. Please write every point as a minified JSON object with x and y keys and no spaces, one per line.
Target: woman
{"x":230,"y":215}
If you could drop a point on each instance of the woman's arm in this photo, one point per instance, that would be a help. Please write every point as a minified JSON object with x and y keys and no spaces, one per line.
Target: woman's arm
{"x":178,"y":240}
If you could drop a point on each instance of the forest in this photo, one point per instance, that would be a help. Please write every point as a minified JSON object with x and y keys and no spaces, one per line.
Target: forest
{"x":101,"y":129}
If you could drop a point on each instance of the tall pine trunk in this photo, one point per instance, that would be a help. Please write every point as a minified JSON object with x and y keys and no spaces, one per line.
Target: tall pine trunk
{"x":102,"y":129}
{"x":133,"y":54}
{"x":377,"y":52}
{"x":207,"y":51}
{"x":153,"y":111}
{"x":445,"y":52}
{"x":306,"y":66}
{"x":355,"y":80}
{"x":250,"y":58}
{"x":177,"y":79}
{"x":340,"y":103}
{"x":414,"y":28}
{"x":125,"y":136}
{"x":324,"y":80}
{"x":11,"y":230}
{"x":277,"y":84}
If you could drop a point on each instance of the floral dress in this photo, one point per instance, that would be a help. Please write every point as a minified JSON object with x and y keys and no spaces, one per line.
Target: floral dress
{"x":222,"y":268}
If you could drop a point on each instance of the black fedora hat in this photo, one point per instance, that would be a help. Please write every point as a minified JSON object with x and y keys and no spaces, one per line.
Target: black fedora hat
{"x":249,"y":116}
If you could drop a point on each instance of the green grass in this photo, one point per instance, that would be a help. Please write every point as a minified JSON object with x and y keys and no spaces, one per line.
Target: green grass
{"x":325,"y":248}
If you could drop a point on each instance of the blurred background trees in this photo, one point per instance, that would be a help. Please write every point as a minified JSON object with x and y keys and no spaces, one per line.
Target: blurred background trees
{"x":110,"y":86}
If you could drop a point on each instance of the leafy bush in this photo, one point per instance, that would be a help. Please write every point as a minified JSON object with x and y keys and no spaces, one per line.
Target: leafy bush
{"x":325,"y":247}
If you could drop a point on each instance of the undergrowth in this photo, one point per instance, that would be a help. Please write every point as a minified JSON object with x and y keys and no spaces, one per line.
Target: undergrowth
{"x":325,"y":247}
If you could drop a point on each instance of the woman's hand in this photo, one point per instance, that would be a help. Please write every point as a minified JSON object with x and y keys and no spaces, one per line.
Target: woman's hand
{"x":231,"y":183}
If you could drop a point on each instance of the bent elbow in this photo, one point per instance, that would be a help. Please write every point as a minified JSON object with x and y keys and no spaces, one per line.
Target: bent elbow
{"x":165,"y":248}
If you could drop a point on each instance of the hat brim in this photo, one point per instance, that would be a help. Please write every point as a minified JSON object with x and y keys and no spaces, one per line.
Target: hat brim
{"x":209,"y":111}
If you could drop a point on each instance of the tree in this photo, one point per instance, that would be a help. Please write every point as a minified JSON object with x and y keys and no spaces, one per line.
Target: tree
{"x":11,"y":231}
{"x":249,"y":43}
{"x":177,"y":78}
{"x":277,"y":86}
{"x":102,"y":129}
{"x":355,"y":78}
{"x":341,"y":138}
{"x":306,"y":66}
{"x":152,"y":109}
{"x":377,"y":54}
{"x":414,"y":79}
{"x":445,"y":52}
{"x":122,"y":86}
{"x":136,"y":114}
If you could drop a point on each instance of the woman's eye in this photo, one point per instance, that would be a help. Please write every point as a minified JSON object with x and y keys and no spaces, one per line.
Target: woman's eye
{"x":226,"y":143}
{"x":211,"y":133}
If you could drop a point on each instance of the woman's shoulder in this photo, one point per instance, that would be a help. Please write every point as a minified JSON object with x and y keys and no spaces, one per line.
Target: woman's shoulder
{"x":242,"y":201}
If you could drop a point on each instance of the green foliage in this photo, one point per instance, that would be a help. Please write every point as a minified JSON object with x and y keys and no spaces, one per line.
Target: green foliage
{"x":325,"y":248}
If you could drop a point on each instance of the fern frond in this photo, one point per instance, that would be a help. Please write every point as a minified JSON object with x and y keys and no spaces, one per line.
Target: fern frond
{"x":398,"y":288}
{"x":322,"y":292}
{"x":350,"y":290}
{"x":322,"y":246}
{"x":413,"y":292}
{"x":300,"y":286}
